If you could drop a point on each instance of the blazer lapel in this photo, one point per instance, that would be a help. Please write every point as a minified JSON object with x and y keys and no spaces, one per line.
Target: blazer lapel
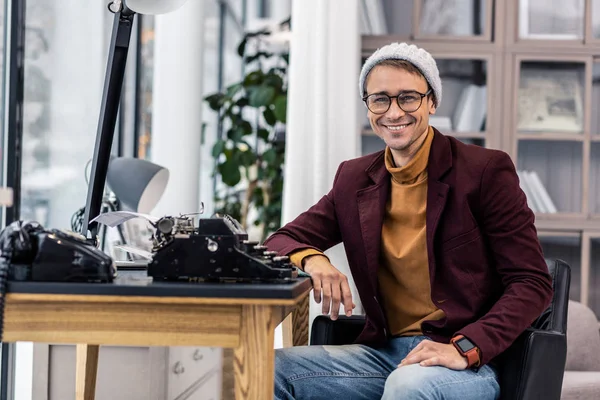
{"x":440,"y":161}
{"x":371,"y":202}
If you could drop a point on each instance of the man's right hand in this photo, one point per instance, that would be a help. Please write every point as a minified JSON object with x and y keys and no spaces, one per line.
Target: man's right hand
{"x":329,"y":283}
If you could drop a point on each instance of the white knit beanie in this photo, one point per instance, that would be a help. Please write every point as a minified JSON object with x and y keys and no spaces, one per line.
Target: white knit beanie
{"x":411,"y":53}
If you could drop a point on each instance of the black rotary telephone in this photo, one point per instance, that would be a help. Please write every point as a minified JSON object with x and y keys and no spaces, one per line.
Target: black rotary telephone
{"x":28,"y":252}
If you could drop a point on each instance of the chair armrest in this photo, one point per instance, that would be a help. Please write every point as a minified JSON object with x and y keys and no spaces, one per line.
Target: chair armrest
{"x":344,"y":330}
{"x":533,"y":366}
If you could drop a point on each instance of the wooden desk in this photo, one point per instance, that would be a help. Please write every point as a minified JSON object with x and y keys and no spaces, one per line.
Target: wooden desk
{"x":133,"y":311}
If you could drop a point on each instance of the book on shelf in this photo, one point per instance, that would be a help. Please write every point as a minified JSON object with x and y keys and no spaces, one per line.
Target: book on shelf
{"x":470,"y":112}
{"x":441,"y":123}
{"x":538,"y":198}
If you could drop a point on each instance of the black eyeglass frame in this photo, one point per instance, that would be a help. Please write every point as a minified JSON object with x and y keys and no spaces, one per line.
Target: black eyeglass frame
{"x":397,"y":97}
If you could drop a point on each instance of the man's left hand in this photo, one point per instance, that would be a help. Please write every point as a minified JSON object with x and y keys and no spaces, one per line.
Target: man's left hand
{"x":429,"y":353}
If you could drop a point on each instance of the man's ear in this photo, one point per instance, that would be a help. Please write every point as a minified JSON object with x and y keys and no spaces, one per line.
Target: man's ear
{"x":432,"y":106}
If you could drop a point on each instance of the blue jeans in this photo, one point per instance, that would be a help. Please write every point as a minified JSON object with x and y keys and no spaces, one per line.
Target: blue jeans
{"x":361,"y":372}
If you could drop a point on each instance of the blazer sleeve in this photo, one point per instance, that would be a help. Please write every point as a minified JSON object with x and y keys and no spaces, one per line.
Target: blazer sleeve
{"x":317,"y":228}
{"x":508,"y":225}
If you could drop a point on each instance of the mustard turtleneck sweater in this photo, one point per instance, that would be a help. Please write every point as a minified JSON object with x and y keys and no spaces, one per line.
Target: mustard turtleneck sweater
{"x":404,"y":271}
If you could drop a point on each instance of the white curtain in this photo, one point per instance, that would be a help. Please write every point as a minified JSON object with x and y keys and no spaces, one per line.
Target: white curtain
{"x":324,"y":109}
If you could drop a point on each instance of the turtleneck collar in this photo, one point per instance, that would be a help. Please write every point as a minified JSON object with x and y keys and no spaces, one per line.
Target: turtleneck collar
{"x":416,"y":168}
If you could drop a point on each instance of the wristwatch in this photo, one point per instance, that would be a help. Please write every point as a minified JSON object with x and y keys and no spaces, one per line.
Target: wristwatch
{"x":467,"y":349}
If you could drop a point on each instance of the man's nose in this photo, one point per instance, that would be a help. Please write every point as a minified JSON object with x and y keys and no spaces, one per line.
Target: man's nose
{"x":395,"y":112}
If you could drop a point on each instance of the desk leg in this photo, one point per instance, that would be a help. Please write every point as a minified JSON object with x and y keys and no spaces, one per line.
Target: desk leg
{"x":295,"y":326}
{"x":300,"y":322}
{"x":254,"y":359}
{"x":86,"y":370}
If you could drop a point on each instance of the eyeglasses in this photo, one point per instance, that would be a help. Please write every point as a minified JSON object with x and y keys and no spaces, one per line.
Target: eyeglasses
{"x":379,"y":103}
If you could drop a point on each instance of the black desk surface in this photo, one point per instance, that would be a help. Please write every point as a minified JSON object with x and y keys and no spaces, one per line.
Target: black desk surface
{"x":137,"y":283}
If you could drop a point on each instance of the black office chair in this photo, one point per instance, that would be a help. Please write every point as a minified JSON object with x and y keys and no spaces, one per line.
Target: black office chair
{"x":531,"y":368}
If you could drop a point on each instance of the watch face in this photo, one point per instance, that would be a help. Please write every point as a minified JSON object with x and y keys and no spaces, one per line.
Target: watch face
{"x":464,"y":344}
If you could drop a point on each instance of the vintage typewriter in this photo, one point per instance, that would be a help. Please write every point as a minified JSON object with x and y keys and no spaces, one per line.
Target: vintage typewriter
{"x":217,"y":249}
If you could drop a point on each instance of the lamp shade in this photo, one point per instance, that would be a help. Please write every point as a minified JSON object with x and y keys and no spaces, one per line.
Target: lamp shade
{"x":138,"y":184}
{"x":154,"y":6}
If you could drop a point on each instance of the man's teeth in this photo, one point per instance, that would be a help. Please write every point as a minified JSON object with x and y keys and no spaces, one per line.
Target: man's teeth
{"x":396,"y":127}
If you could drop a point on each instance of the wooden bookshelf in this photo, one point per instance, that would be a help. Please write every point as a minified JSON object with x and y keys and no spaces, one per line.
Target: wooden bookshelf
{"x":520,"y":60}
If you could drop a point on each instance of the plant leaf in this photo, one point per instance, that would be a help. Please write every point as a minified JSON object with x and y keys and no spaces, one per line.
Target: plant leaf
{"x":274,"y":80}
{"x":233,"y":89}
{"x":257,"y":55}
{"x":242,"y":47}
{"x":215,"y":101}
{"x":218,"y":148}
{"x":247,"y":158}
{"x":234,"y":134}
{"x":253,"y":78}
{"x":257,"y":33}
{"x":280,"y":109}
{"x":245,"y":127}
{"x":261,"y":96}
{"x":269,"y":116}
{"x":263,"y":134}
{"x":242,"y":102}
{"x":230,"y":173}
{"x":269,"y":156}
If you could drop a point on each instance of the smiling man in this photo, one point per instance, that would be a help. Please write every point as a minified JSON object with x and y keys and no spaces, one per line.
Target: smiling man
{"x":441,"y":245}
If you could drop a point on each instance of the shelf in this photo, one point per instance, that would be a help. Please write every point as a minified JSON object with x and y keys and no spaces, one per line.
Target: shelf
{"x":574,"y":137}
{"x":458,"y":135}
{"x":470,"y":21}
{"x":549,"y":235}
{"x":561,"y":239}
{"x":466,"y":49}
{"x":566,"y":223}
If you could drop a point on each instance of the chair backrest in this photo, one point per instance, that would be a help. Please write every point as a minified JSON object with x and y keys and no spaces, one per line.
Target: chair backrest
{"x":554,"y":318}
{"x":583,"y":339}
{"x":532,"y":367}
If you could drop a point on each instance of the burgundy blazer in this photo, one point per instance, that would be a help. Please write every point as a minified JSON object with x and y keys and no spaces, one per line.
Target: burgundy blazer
{"x":486,"y":266}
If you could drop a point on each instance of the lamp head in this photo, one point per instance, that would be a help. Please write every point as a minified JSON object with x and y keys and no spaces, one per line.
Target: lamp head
{"x":153,"y":6}
{"x":137,"y":183}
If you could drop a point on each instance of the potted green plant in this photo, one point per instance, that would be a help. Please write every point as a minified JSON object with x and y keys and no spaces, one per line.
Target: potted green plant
{"x":249,"y":155}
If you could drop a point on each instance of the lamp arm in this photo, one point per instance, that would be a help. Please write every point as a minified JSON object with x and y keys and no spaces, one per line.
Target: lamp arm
{"x":113,"y":83}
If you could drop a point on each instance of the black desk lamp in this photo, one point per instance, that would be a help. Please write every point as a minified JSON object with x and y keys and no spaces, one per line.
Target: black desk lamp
{"x":124,"y":11}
